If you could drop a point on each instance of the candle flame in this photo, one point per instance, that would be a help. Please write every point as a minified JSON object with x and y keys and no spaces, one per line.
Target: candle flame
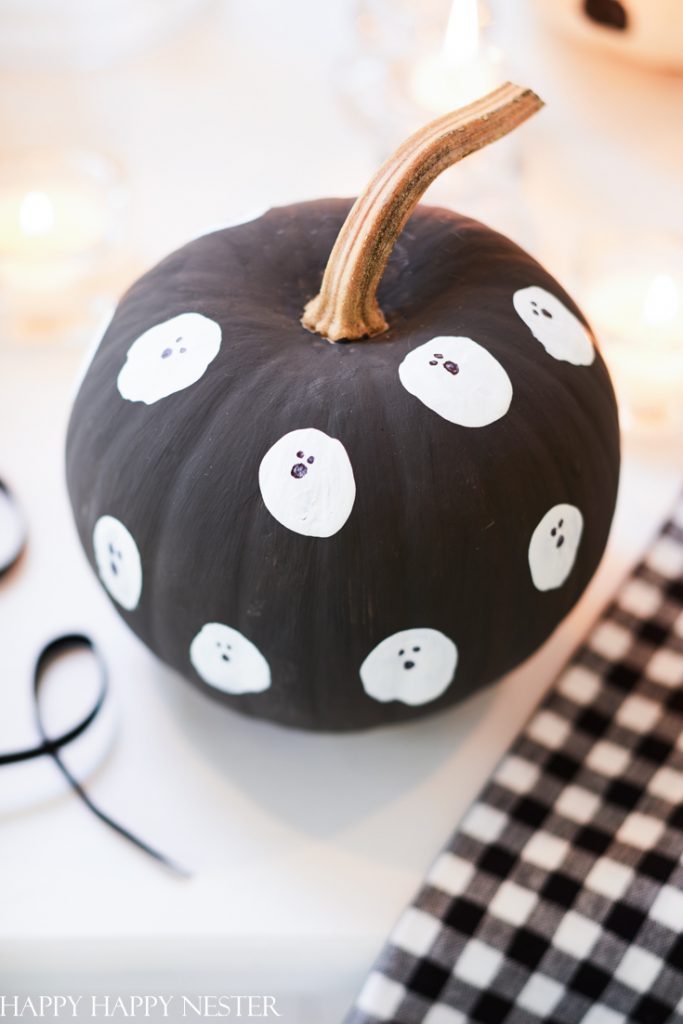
{"x":662,"y":301}
{"x":36,"y":214}
{"x":461,"y":43}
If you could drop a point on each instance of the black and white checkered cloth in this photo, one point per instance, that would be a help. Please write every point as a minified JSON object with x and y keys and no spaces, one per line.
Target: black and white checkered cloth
{"x":560,"y":896}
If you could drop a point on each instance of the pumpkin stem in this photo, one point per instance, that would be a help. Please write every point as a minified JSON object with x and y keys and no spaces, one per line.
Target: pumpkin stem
{"x":346,"y":307}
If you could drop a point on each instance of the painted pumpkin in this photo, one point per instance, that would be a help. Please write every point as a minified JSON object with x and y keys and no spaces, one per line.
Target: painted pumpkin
{"x":647,"y":31}
{"x":335,"y":536}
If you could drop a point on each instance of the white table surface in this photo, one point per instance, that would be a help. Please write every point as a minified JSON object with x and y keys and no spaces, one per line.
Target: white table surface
{"x":304,"y":848}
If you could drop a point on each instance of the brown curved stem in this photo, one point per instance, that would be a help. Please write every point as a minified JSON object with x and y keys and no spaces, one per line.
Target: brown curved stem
{"x":346,"y":307}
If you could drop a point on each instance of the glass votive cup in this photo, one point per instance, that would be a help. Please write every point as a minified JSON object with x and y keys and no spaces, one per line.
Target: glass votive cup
{"x":61,"y":239}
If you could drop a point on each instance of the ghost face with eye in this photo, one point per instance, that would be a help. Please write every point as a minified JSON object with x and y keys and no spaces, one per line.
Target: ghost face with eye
{"x":458,"y":379}
{"x":307,"y":483}
{"x":562,"y":335}
{"x":169,"y":357}
{"x":554,"y":546}
{"x":226,"y":660}
{"x":414,"y":666}
{"x":118,"y":561}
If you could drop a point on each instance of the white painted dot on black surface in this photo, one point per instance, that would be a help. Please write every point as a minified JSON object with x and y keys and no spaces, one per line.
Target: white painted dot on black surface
{"x":225,"y":659}
{"x":414,"y":666}
{"x":554,"y":545}
{"x":459,"y":379}
{"x":561,"y":334}
{"x":118,"y":561}
{"x":307,"y":483}
{"x":169,"y":357}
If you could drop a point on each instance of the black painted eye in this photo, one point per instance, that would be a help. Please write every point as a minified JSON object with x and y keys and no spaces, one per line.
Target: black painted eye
{"x":299,"y":455}
{"x":533,"y":303}
{"x":433,"y":362}
{"x":111,"y":549}
{"x":609,"y":13}
{"x":437,"y":355}
{"x":561,"y":522}
{"x":310,"y":460}
{"x":416,"y":649}
{"x":401,"y":653}
{"x":553,"y":531}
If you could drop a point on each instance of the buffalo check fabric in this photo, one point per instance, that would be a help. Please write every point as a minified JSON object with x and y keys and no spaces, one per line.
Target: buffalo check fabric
{"x":560,"y":896}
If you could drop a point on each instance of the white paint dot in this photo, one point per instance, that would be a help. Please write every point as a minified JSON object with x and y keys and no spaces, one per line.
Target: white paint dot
{"x":414,"y":666}
{"x":554,"y":545}
{"x":562,"y":334}
{"x":118,"y":561}
{"x":169,"y":357}
{"x":458,"y":379}
{"x":307,"y":483}
{"x":226,"y":660}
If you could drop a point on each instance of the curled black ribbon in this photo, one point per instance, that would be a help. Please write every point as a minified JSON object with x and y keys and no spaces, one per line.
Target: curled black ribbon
{"x":52,"y":746}
{"x":21,"y":542}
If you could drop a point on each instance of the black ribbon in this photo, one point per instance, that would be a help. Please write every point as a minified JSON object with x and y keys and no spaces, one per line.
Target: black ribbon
{"x":21,"y":540}
{"x":51,"y":746}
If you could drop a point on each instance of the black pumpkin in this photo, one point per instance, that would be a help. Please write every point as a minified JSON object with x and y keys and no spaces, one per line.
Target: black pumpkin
{"x":338,"y":536}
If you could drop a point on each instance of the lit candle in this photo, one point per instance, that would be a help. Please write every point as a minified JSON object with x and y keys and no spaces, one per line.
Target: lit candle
{"x":638,"y":314}
{"x":60,"y":217}
{"x":464,"y":69}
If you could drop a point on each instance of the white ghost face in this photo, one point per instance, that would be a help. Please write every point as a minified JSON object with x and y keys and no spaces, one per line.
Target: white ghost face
{"x":458,"y":379}
{"x":228,"y":661}
{"x":169,"y":357}
{"x":553,"y":547}
{"x":413,"y":666}
{"x":307,"y":482}
{"x":562,"y":335}
{"x":118,"y":561}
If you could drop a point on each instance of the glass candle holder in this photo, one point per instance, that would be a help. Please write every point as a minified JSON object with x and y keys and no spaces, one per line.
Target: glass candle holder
{"x":61,"y":231}
{"x":414,"y":62}
{"x":633,"y":294}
